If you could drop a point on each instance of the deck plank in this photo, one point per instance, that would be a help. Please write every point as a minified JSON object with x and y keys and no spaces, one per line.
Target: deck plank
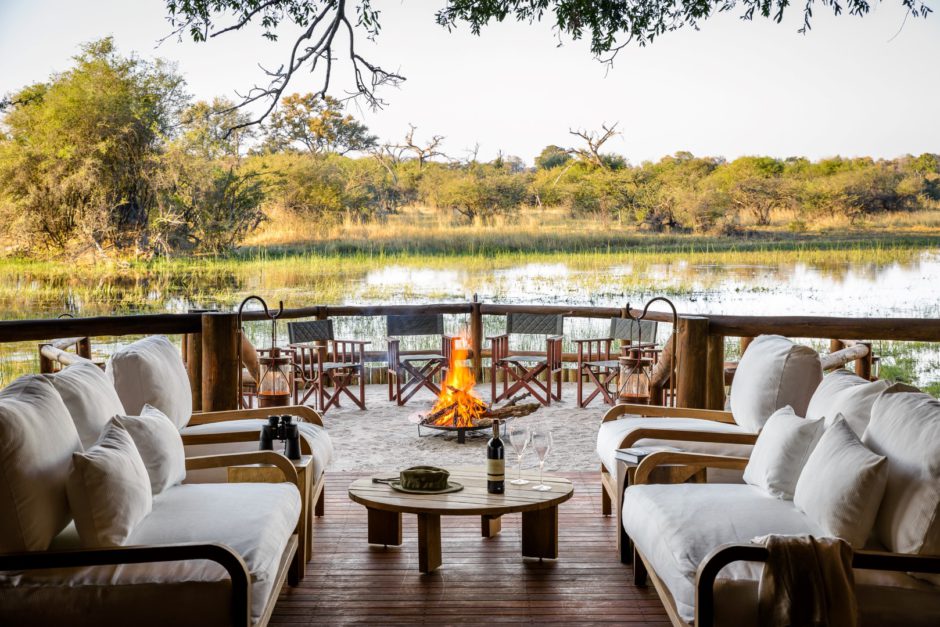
{"x":481,"y":581}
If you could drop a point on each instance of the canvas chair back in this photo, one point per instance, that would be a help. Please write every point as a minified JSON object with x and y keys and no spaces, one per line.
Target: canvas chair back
{"x":310,"y":331}
{"x":626,"y":329}
{"x":534,"y":324}
{"x":419,"y":324}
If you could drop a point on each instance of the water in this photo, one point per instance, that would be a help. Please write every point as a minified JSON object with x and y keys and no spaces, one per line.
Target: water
{"x":907,"y":286}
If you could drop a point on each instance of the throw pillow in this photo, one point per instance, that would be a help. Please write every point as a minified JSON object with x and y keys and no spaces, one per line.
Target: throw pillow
{"x":37,"y":439}
{"x":773,"y":373}
{"x":151,"y":372}
{"x":108,"y":489}
{"x":782,"y":448}
{"x":846,"y":393}
{"x":160,"y":447}
{"x":905,"y":427}
{"x":841,"y":485}
{"x":90,"y":397}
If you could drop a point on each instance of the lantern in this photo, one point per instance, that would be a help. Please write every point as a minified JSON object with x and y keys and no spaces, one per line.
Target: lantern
{"x":274,"y":389}
{"x":635,"y":370}
{"x":275,"y":384}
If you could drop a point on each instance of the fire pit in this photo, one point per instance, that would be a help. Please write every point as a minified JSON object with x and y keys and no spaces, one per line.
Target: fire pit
{"x":459,"y":409}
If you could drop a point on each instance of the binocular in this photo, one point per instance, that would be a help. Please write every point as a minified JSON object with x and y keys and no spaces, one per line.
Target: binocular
{"x":281,"y":428}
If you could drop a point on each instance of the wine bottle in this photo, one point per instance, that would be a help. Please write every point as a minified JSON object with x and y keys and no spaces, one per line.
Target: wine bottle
{"x":495,"y":463}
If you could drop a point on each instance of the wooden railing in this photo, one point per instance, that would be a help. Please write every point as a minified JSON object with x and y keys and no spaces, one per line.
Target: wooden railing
{"x":211,"y":351}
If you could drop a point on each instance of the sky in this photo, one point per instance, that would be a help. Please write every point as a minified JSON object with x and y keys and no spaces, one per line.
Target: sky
{"x":850,"y":87}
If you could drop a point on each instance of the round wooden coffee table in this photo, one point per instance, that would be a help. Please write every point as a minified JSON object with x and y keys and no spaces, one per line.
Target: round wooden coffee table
{"x":539,"y":512}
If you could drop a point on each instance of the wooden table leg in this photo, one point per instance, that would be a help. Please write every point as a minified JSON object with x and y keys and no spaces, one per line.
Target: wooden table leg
{"x":491,"y":525}
{"x":429,"y":542}
{"x":540,"y":533}
{"x":384,"y":527}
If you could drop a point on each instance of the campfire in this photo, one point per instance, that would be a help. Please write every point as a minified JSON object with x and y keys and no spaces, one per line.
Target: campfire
{"x":459,"y":407}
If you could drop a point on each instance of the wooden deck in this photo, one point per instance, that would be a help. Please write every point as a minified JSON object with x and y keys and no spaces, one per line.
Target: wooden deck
{"x":481,"y":581}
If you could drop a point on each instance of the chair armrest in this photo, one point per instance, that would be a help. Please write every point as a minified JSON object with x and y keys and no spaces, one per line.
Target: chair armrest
{"x":728,"y":553}
{"x":360,"y":343}
{"x":225,"y":460}
{"x":490,"y":338}
{"x":596,"y":339}
{"x":651,"y":411}
{"x":305,"y":412}
{"x":686,"y":435}
{"x":661,"y":458}
{"x":222,"y":555}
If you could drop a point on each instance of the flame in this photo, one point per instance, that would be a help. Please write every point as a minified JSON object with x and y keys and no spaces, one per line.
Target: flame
{"x":461,"y":407}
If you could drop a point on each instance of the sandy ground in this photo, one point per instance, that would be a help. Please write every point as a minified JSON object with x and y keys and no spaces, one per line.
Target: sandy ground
{"x":383,"y":439}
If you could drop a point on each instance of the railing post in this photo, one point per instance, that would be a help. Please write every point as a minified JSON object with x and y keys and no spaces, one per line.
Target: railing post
{"x":83,"y":347}
{"x":863,"y":365}
{"x":46,"y":365}
{"x":744,"y":343}
{"x":836,"y":345}
{"x":715,"y":379}
{"x":693,"y":362}
{"x":220,"y":361}
{"x":193,"y":344}
{"x":476,"y":337}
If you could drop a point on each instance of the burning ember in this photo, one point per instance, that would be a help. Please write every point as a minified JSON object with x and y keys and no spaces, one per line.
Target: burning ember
{"x":458,"y":406}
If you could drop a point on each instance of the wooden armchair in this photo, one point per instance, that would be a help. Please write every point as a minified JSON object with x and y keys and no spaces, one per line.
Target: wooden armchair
{"x":523,"y":368}
{"x":725,"y":554}
{"x":323,"y":361}
{"x":410,"y":371}
{"x":598,"y":362}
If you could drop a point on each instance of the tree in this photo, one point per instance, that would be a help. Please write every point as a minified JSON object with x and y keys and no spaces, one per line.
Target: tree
{"x":552,"y":157}
{"x":318,"y":124}
{"x":326,"y":30}
{"x":595,"y":140}
{"x":205,"y":130}
{"x":422,"y":152}
{"x":79,"y":157}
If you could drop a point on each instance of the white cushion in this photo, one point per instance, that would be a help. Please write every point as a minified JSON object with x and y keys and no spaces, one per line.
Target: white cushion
{"x":321,"y":446}
{"x":846,"y":393}
{"x":905,"y":427}
{"x":108,"y":489}
{"x":676,"y":526}
{"x":159,"y":445}
{"x":612,"y":433}
{"x":37,"y":439}
{"x":782,"y":448}
{"x":773,"y":373}
{"x":254,"y":519}
{"x":841,"y":485}
{"x":151,"y":372}
{"x":90,"y":397}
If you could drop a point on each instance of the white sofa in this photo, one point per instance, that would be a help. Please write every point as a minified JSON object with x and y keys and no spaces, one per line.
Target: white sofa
{"x":151,"y":372}
{"x":691,"y":538}
{"x":773,"y":373}
{"x":202,"y":554}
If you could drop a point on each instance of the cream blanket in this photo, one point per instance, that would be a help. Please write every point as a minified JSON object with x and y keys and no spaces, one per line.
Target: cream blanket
{"x":807,"y":582}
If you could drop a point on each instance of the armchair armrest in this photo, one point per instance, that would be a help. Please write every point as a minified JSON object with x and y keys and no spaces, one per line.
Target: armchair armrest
{"x":305,"y":412}
{"x":726,"y":554}
{"x":661,"y":458}
{"x":218,"y":553}
{"x":649,"y":411}
{"x":225,"y":460}
{"x":499,"y":347}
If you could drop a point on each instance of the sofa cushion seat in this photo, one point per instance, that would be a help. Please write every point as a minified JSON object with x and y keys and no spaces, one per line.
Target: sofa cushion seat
{"x":676,"y":526}
{"x":255,"y":520}
{"x":612,"y":433}
{"x":320,"y":444}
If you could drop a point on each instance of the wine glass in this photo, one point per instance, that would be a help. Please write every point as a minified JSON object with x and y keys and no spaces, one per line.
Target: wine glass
{"x":519,"y":436}
{"x":542,"y":443}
